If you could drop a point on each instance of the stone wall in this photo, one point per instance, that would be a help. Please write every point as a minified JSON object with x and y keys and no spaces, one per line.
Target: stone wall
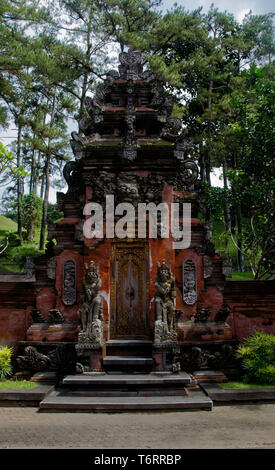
{"x":253,"y":307}
{"x":252,"y":304}
{"x":17,"y":298}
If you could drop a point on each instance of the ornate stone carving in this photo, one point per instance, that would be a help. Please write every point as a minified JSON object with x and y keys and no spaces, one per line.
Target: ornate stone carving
{"x":207,"y":266}
{"x":128,"y":189}
{"x":202,"y":359}
{"x":91,"y":312}
{"x":37,"y":316}
{"x":183,"y":145}
{"x":171,"y":129}
{"x":51,"y":267}
{"x":69,"y":283}
{"x":222,"y":314}
{"x":32,"y":360}
{"x":78,"y":231}
{"x":227,"y":267}
{"x":131,"y":64}
{"x":130,"y":150}
{"x":77,"y":148}
{"x":164,"y":305}
{"x":71,"y":173}
{"x":29,"y":267}
{"x":56,"y":316}
{"x":189,"y":282}
{"x":202,"y":314}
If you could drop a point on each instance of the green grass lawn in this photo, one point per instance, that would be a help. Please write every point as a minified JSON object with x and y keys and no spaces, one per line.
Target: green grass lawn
{"x":13,"y":259}
{"x":241,"y":385}
{"x":7,"y":224}
{"x":16,"y":384}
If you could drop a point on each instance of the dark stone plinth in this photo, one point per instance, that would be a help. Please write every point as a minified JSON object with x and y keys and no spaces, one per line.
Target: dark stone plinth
{"x":208,"y":376}
{"x":90,"y":356}
{"x":204,"y":331}
{"x":229,"y":396}
{"x":163,"y":355}
{"x":31,"y":397}
{"x":58,"y":402}
{"x":45,"y":377}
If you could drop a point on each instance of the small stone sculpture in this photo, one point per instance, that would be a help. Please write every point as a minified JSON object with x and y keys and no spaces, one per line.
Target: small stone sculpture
{"x":32,"y":360}
{"x":56,"y":316}
{"x":37,"y":316}
{"x":91,"y":312}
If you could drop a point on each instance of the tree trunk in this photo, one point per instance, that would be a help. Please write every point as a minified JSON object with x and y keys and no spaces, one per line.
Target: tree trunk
{"x":36,"y":174}
{"x":45,"y":202}
{"x":227,"y":217}
{"x":31,"y":187}
{"x":42,"y":187}
{"x":47,"y":181}
{"x":239,"y":225}
{"x":19,"y":186}
{"x":239,"y":239}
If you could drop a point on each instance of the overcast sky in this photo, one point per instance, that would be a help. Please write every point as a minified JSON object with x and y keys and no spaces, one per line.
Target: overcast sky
{"x":238,"y":7}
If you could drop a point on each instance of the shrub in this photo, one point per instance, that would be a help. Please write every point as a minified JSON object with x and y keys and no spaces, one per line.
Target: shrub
{"x":5,"y":361}
{"x":257,"y":355}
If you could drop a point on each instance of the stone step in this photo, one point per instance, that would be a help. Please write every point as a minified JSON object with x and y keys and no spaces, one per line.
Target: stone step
{"x":127,"y":363}
{"x":151,"y":392}
{"x":126,"y":381}
{"x":60,"y":403}
{"x":136,"y":348}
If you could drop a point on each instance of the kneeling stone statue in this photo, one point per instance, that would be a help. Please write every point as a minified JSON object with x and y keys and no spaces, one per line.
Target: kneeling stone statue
{"x":91,"y":312}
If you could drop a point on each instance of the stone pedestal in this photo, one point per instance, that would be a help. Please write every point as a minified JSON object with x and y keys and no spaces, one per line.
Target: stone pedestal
{"x":164,"y":357}
{"x":90,"y":356}
{"x":204,"y":331}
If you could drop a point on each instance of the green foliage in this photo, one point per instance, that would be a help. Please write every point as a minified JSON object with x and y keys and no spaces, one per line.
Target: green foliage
{"x":5,"y":361}
{"x":54,"y":214}
{"x":8,"y":162}
{"x":31,"y":213}
{"x":257,"y":354}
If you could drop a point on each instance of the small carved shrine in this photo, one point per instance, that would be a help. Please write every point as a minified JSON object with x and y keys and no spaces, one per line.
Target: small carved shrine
{"x":139,"y":288}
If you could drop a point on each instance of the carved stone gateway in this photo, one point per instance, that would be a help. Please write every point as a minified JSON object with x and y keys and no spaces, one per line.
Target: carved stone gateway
{"x":129,"y":147}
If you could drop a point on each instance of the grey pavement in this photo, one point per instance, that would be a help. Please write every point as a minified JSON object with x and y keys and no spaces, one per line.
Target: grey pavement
{"x":225,"y":427}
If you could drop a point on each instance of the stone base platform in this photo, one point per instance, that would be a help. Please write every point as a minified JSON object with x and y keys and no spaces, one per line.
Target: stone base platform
{"x":119,"y":393}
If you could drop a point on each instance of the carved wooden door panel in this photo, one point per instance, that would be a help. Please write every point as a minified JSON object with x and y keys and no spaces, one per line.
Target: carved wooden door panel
{"x":129,"y":290}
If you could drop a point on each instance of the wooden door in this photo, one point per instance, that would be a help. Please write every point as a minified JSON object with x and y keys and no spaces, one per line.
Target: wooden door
{"x":129,"y":290}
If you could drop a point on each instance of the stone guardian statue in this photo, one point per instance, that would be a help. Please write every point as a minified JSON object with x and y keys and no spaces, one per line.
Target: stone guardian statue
{"x":91,"y":312}
{"x":164,"y":305}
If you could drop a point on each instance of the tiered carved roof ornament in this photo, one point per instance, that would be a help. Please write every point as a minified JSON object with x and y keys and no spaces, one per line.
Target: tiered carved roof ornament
{"x":130,"y":105}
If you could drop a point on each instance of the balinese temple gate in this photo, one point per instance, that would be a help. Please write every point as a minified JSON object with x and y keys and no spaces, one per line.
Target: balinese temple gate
{"x":138,"y":303}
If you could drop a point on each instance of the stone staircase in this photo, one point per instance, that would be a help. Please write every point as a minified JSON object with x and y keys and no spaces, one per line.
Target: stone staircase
{"x":127,"y":384}
{"x":128,"y":356}
{"x":123,"y":392}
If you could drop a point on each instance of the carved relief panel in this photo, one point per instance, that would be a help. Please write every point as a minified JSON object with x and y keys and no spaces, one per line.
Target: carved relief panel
{"x":189,"y":282}
{"x":69,"y":283}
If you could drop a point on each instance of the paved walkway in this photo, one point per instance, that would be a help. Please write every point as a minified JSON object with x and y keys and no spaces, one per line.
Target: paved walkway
{"x":228,"y":427}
